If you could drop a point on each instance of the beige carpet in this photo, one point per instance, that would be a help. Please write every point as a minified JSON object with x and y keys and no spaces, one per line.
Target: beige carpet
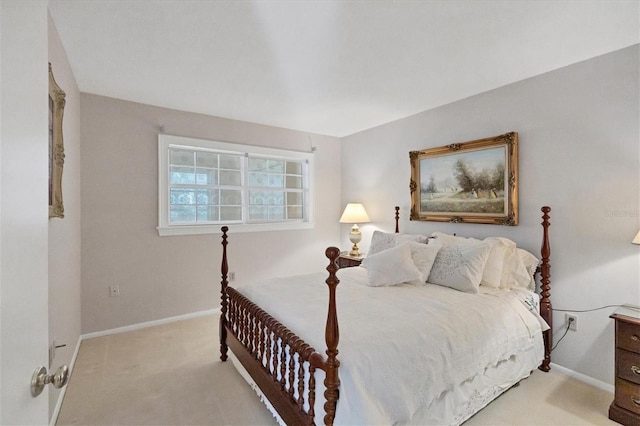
{"x":171,"y":375}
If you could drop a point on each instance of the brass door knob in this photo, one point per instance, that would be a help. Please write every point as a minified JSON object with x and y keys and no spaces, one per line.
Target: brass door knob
{"x":40,"y":378}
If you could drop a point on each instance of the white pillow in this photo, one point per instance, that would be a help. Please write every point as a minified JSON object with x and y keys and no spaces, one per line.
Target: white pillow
{"x":392,"y":266}
{"x":448,"y":238}
{"x":494,"y":268}
{"x":424,"y":255}
{"x":523,"y":277}
{"x":460,"y":266}
{"x":492,"y":275}
{"x":383,"y":241}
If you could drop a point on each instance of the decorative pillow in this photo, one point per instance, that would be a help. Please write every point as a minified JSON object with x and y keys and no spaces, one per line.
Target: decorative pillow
{"x":383,"y":241}
{"x":392,"y":266}
{"x":493,"y":270}
{"x":423,"y":255}
{"x":460,"y":266}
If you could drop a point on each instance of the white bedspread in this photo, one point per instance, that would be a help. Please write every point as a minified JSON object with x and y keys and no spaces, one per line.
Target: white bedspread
{"x":402,"y":347}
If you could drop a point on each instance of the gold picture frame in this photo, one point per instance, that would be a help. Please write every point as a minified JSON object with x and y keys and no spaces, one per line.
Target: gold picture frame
{"x":469,"y":182}
{"x":56,"y":147}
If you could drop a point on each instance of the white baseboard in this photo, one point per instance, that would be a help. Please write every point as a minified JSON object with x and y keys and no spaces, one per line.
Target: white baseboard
{"x":150,"y":324}
{"x":583,"y":378}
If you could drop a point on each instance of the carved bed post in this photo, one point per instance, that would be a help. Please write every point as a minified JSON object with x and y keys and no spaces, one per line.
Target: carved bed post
{"x":545,"y":288}
{"x":332,"y":336}
{"x":397,"y":218}
{"x":223,"y":297}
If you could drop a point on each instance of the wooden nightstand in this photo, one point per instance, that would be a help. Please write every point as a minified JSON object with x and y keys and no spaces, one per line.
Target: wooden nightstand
{"x":625,"y":408}
{"x":346,"y":261}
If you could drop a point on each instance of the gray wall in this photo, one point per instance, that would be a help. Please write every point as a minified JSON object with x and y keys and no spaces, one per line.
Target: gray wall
{"x":64,"y":234}
{"x":161,"y":277}
{"x":579,"y":154}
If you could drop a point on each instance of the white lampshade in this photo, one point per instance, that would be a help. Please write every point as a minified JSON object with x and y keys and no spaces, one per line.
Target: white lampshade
{"x":636,"y":240}
{"x":354,"y":213}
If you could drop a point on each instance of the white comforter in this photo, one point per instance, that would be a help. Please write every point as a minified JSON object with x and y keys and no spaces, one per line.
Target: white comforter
{"x":402,"y":347}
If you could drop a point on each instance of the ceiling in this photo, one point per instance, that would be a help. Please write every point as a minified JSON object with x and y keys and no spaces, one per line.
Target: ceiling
{"x":328,"y":67}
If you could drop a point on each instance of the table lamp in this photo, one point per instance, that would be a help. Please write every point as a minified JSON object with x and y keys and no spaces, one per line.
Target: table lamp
{"x":354,"y":213}
{"x":636,"y":240}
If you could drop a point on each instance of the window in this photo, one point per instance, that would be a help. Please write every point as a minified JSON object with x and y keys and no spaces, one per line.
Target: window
{"x":205,"y":184}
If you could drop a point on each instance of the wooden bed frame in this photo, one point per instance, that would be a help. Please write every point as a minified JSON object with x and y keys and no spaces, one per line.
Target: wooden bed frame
{"x":284,"y":366}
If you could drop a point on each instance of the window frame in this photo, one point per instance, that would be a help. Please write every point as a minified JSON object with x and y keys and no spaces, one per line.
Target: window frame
{"x":164,"y":228}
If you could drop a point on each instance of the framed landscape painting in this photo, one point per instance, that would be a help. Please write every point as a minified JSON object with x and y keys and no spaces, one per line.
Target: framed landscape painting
{"x":469,"y":182}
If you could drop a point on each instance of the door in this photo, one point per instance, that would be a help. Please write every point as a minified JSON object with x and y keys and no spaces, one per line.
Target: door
{"x":23,"y":209}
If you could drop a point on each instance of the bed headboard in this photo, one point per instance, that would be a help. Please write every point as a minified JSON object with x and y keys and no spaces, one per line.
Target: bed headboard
{"x":397,"y":219}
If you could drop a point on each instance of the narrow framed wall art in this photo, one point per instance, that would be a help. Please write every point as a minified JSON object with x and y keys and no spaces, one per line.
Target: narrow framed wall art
{"x":56,"y":147}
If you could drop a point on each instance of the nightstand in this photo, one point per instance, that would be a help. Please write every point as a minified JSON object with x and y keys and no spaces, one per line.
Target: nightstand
{"x":625,"y":408}
{"x":346,"y":261}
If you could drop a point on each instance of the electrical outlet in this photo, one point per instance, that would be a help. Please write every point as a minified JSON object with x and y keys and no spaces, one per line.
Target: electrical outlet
{"x":114,"y":290}
{"x":572,"y":320}
{"x":232,"y":276}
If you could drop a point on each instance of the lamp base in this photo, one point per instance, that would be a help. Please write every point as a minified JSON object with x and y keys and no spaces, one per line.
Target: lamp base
{"x":355,"y":251}
{"x":355,"y":237}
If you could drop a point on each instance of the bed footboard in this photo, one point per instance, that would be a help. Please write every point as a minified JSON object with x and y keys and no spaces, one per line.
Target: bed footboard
{"x":281,"y":363}
{"x":278,"y":361}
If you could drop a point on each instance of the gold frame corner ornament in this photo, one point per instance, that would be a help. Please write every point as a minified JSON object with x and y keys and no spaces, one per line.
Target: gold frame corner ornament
{"x":56,"y":146}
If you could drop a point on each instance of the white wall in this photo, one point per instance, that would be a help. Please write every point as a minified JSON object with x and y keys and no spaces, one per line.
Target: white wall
{"x":161,"y":277}
{"x":64,"y":234}
{"x":579,"y":154}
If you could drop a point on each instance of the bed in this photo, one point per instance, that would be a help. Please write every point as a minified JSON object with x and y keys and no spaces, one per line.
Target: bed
{"x":417,"y":347}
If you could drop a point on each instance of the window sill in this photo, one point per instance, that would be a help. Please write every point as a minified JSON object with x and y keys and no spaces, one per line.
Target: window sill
{"x":168,"y":231}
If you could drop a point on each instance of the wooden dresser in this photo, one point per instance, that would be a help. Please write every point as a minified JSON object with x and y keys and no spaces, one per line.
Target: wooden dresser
{"x":625,"y":408}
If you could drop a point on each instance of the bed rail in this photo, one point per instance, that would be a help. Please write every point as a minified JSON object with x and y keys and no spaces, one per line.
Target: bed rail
{"x":281,"y":363}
